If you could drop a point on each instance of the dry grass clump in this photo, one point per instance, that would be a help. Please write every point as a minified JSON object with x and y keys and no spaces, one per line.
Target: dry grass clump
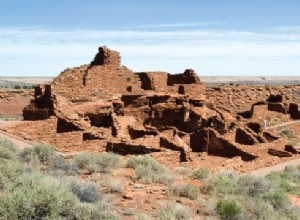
{"x":94,"y":163}
{"x":148,"y":170}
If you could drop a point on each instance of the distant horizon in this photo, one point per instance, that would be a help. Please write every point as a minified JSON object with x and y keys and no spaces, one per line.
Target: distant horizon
{"x":232,"y":38}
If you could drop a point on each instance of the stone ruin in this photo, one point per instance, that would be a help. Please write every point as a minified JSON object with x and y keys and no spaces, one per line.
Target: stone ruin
{"x":104,"y":106}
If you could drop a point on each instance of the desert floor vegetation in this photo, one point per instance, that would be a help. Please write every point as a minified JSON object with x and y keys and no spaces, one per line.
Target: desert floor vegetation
{"x":39,"y":183}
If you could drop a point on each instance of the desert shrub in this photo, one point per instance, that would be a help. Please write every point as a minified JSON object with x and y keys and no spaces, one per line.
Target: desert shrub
{"x":278,"y":199}
{"x":104,"y":163}
{"x":222,"y":184}
{"x":207,"y":206}
{"x":253,"y":186}
{"x":287,"y":131}
{"x":228,"y":209}
{"x":109,"y":162}
{"x":36,"y":196}
{"x":293,"y":142}
{"x":98,"y":211}
{"x":7,"y":149}
{"x":149,"y":170}
{"x":114,"y":186}
{"x":85,"y":191}
{"x":9,"y":171}
{"x":129,"y":211}
{"x":293,"y":212}
{"x":288,"y":180}
{"x":143,"y":216}
{"x":17,"y":87}
{"x":38,"y":153}
{"x":188,"y":191}
{"x":83,"y":159}
{"x":174,"y":212}
{"x":58,"y":163}
{"x":184,"y":171}
{"x":201,"y":173}
{"x":259,"y":209}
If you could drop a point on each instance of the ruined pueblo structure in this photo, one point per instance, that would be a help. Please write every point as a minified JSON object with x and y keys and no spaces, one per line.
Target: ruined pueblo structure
{"x":104,"y":106}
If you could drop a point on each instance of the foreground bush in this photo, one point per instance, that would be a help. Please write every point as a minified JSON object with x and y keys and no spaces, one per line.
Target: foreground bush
{"x":253,"y":186}
{"x":98,"y":211}
{"x":148,"y":170}
{"x":288,"y":180}
{"x":7,"y":149}
{"x":228,"y":209}
{"x":201,"y":173}
{"x":60,"y":166}
{"x":104,"y":163}
{"x":222,"y":184}
{"x":188,"y":191}
{"x":86,"y":192}
{"x":39,"y":153}
{"x":9,"y":172}
{"x":174,"y":212}
{"x":36,"y":197}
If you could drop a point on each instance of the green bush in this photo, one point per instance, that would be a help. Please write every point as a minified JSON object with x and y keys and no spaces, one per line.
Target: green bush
{"x":222,"y":184}
{"x":98,"y":211}
{"x":85,"y":191}
{"x":9,"y":171}
{"x":278,"y":199}
{"x":228,"y":209}
{"x":7,"y":149}
{"x":259,"y":209}
{"x":288,"y":180}
{"x":17,"y":87}
{"x":36,"y":196}
{"x":253,"y":186}
{"x":114,"y":186}
{"x":143,"y":216}
{"x":41,"y":152}
{"x":184,"y":171}
{"x":201,"y":173}
{"x":174,"y":212}
{"x":188,"y":191}
{"x":58,"y":163}
{"x":149,"y":170}
{"x":104,"y":163}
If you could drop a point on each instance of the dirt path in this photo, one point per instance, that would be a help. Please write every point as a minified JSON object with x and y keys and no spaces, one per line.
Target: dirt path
{"x":282,"y":124}
{"x":278,"y":167}
{"x":20,"y":142}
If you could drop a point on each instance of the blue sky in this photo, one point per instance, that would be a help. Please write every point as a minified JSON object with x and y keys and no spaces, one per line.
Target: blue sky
{"x":214,"y":37}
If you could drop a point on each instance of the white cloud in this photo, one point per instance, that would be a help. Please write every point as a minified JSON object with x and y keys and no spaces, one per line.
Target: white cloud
{"x":177,"y":25}
{"x":36,"y":50}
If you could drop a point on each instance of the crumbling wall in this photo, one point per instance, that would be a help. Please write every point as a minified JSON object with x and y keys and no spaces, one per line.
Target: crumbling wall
{"x":294,"y":111}
{"x":243,"y":136}
{"x":208,"y":140}
{"x":107,"y":57}
{"x":41,"y":107}
{"x":156,"y":81}
{"x":42,"y":130}
{"x":188,"y":77}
